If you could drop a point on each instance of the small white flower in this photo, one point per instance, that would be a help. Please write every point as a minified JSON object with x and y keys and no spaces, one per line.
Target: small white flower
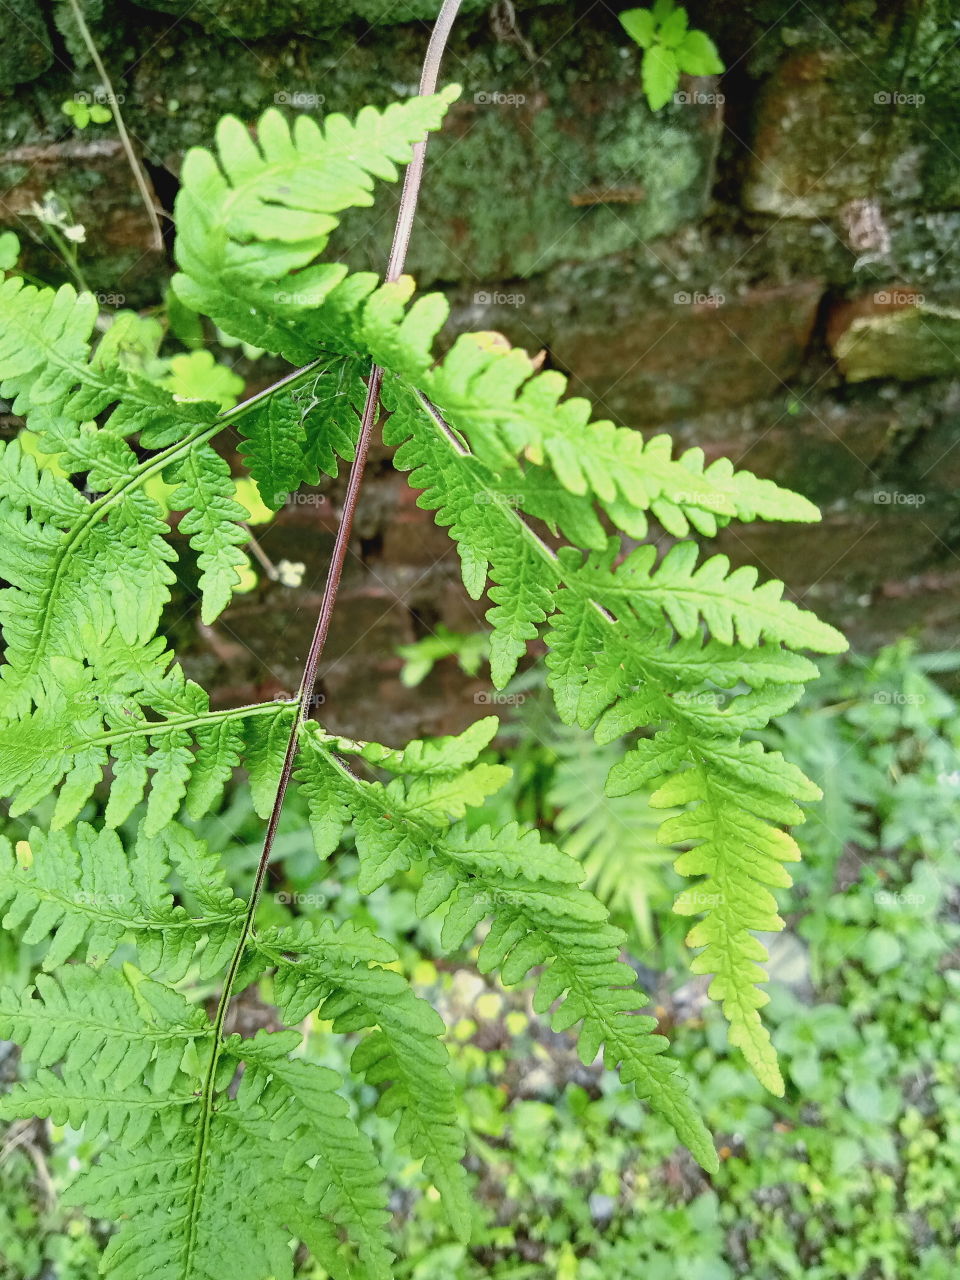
{"x":290,"y":572}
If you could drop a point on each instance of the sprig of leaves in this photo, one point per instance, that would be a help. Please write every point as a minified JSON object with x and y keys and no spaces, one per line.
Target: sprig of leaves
{"x":670,"y":47}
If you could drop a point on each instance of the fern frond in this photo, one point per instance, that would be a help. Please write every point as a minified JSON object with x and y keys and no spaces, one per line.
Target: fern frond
{"x":71,"y":593}
{"x":326,"y":970}
{"x":83,"y":891}
{"x":53,"y":378}
{"x":190,"y":1172}
{"x":309,"y":1118}
{"x":505,"y":411}
{"x":103,"y":1026}
{"x":82,"y":724}
{"x":626,"y":650}
{"x":189,"y":1195}
{"x":253,"y":218}
{"x":147,"y":1188}
{"x":212,"y":519}
{"x":540,"y":918}
{"x":267,"y":738}
{"x":225,"y":1148}
{"x":737,"y":792}
{"x":516,"y":422}
{"x":383,"y":815}
{"x":730,"y":604}
{"x":120,"y":1114}
{"x":432,"y":757}
{"x":481,"y":514}
{"x":91,"y":574}
{"x":291,"y":440}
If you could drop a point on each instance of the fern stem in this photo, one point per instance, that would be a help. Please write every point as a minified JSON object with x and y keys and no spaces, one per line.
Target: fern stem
{"x":401,"y":241}
{"x":370,"y":416}
{"x":147,"y":728}
{"x":135,"y":167}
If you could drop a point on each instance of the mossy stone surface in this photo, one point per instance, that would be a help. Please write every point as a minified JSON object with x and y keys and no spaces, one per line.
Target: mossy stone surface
{"x":906,"y":343}
{"x":253,"y":19}
{"x":26,"y":49}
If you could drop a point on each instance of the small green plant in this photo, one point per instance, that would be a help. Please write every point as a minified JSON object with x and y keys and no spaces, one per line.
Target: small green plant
{"x":225,"y":1145}
{"x":419,"y":658}
{"x":82,"y":111}
{"x":670,"y":48}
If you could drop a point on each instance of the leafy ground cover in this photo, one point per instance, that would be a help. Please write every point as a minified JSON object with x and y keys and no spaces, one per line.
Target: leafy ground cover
{"x":851,"y":1174}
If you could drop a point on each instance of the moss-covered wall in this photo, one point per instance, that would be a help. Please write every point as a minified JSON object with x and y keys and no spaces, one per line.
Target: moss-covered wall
{"x":768,"y":267}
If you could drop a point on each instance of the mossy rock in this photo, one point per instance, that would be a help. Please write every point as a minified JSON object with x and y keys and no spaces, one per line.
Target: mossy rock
{"x":25,"y":51}
{"x":253,"y":19}
{"x":540,"y":162}
{"x":908,"y":343}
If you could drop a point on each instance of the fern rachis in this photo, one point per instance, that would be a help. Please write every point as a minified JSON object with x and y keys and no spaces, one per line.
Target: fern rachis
{"x":222,"y":1145}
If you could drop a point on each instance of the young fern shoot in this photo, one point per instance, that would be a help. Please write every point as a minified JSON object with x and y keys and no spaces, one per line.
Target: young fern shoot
{"x":221,"y":1145}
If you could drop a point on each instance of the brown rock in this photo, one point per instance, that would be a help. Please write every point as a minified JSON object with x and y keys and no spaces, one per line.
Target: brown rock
{"x":856,"y":547}
{"x":703,"y":351}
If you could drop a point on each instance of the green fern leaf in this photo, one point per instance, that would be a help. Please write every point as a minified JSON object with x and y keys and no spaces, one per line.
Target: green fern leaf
{"x":82,"y":890}
{"x":267,"y":739}
{"x":541,"y":916}
{"x":79,"y":725}
{"x":221,"y":1147}
{"x":290,"y":440}
{"x":212,"y":519}
{"x":737,"y":792}
{"x":252,"y":221}
{"x":100,"y":1025}
{"x":730,"y":604}
{"x":403,"y":1049}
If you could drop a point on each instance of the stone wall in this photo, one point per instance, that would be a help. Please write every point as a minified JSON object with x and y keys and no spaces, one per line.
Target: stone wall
{"x":767,"y":268}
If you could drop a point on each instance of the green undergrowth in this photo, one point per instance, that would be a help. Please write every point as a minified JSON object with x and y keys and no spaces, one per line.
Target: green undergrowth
{"x":851,"y":1174}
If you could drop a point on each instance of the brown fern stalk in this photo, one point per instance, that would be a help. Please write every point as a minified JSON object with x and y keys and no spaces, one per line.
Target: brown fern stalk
{"x":369,"y":419}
